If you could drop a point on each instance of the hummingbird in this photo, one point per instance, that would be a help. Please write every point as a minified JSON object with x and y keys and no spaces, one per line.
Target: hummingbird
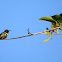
{"x":4,"y":34}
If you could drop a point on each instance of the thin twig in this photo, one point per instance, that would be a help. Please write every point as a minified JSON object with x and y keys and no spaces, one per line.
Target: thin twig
{"x":36,"y":33}
{"x":57,"y":34}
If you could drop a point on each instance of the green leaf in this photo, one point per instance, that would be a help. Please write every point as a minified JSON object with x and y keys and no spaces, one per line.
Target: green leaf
{"x":60,"y":20}
{"x":50,"y":19}
{"x":60,"y":29}
{"x":52,"y":26}
{"x":48,"y":33}
{"x":46,"y":40}
{"x":56,"y":20}
{"x":61,"y":14}
{"x":56,"y":17}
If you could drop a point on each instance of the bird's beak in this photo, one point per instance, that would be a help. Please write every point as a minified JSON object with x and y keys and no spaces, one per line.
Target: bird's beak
{"x":10,"y":30}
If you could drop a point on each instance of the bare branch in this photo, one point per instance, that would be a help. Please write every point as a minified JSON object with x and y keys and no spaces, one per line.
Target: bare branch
{"x":57,"y":34}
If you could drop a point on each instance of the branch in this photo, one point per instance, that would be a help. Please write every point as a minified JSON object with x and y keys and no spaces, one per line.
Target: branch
{"x":36,"y":33}
{"x":57,"y":34}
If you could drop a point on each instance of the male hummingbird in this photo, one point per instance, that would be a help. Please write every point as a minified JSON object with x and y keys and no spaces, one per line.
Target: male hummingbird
{"x":4,"y":34}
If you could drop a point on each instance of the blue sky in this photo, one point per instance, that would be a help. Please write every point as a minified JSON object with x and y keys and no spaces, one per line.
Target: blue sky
{"x":18,"y":16}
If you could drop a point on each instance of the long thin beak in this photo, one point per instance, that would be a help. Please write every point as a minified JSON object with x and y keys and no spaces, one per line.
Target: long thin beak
{"x":10,"y":30}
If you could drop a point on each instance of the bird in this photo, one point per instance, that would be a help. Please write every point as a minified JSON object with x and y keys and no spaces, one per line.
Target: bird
{"x":4,"y":34}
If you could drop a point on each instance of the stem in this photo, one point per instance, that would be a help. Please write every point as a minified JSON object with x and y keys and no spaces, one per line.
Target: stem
{"x":37,"y":33}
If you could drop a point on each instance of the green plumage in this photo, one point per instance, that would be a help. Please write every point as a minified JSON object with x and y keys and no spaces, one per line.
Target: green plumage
{"x":4,"y":34}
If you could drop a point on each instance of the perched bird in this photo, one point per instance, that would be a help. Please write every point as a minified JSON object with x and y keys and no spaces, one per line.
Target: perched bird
{"x":4,"y":34}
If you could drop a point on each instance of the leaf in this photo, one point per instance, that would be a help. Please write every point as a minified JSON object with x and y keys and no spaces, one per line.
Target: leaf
{"x":60,"y":29}
{"x":56,"y":20}
{"x":56,"y":17}
{"x":52,"y":26}
{"x":46,"y":40}
{"x":50,"y":19}
{"x":61,"y":14}
{"x":48,"y":33}
{"x":60,"y":20}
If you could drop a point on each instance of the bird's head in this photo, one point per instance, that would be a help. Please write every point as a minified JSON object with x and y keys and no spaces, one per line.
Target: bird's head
{"x":7,"y":31}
